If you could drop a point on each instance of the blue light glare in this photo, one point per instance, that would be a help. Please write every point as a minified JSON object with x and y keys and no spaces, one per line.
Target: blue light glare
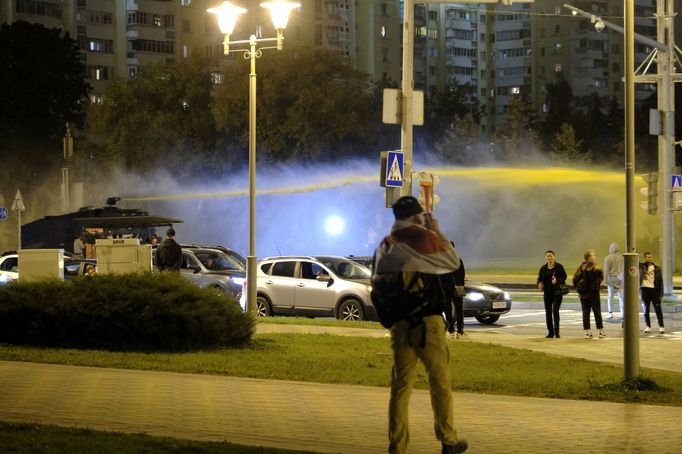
{"x":334,"y":225}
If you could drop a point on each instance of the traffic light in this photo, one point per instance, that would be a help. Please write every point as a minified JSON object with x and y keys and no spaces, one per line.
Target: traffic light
{"x":650,"y":192}
{"x":427,"y":191}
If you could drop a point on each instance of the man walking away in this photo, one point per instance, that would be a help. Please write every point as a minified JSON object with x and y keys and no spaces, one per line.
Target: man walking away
{"x":651,"y":287}
{"x":418,"y":254}
{"x":613,"y":271}
{"x":169,"y":253}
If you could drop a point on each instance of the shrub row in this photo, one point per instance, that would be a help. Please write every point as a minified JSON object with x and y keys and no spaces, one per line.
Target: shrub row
{"x":121,"y":312}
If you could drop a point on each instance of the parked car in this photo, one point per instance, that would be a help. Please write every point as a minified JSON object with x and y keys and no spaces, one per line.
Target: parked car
{"x":9,"y":267}
{"x":484,"y":302}
{"x":234,"y":254}
{"x":79,"y":267}
{"x":323,"y":286}
{"x":213,"y":268}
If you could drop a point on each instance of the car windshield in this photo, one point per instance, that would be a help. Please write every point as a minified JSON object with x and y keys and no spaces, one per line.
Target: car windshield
{"x":219,"y":261}
{"x":346,"y":269}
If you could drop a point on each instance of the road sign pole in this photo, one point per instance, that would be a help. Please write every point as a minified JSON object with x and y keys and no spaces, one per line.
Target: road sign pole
{"x":19,"y":230}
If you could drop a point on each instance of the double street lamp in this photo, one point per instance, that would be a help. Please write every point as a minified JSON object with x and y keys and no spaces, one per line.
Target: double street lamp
{"x":227,"y":18}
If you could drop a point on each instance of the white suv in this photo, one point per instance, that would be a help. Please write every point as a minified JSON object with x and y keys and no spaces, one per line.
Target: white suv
{"x":9,"y":267}
{"x":323,"y":286}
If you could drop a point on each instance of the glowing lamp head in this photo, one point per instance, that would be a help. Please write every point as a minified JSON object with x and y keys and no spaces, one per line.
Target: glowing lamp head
{"x":334,"y":225}
{"x":227,"y":16}
{"x":279,"y":11}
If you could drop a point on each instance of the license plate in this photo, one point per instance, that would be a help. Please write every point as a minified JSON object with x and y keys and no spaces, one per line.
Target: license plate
{"x":499,"y":304}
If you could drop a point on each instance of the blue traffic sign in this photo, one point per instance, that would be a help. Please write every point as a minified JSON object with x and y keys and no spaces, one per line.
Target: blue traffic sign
{"x":676,"y":181}
{"x":394,"y":169}
{"x":3,"y":213}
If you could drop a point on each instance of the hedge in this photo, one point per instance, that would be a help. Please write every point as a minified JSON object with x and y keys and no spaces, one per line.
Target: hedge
{"x":121,"y":312}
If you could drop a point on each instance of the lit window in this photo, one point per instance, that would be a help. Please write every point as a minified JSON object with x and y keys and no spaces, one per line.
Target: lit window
{"x":515,"y":90}
{"x":98,"y":74}
{"x":383,"y":31}
{"x":185,"y":2}
{"x":216,"y":78}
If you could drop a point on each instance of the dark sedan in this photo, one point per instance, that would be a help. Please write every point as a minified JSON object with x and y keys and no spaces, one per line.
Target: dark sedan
{"x":483,"y":301}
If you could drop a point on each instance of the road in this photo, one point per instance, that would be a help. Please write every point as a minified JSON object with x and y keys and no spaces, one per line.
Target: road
{"x":529,"y":319}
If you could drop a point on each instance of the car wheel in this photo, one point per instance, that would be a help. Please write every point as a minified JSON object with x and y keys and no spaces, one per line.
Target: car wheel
{"x":263,"y":307}
{"x":351,"y":310}
{"x":488,"y":319}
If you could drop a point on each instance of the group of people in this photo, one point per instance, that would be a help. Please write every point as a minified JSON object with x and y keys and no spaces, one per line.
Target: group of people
{"x":587,"y":280}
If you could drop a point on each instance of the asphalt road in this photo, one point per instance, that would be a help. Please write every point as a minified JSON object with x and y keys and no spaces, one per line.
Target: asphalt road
{"x":529,"y":319}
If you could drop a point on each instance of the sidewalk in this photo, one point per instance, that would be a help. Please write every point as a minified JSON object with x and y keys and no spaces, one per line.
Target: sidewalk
{"x":334,"y":418}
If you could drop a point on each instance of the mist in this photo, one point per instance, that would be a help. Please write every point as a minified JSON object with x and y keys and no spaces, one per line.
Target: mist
{"x":499,"y":218}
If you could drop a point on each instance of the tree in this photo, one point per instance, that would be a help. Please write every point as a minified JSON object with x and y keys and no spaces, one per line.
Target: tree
{"x":445,"y":107}
{"x":42,"y":83}
{"x":161,"y":118}
{"x":566,"y":147}
{"x":459,"y":144}
{"x":311,"y":103}
{"x":558,"y":100}
{"x":516,"y":136}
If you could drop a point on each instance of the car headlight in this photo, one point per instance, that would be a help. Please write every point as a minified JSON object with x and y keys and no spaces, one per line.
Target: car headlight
{"x":475,"y":296}
{"x":507,"y":296}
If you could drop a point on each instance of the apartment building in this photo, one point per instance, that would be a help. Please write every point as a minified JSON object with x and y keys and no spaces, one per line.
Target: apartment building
{"x":378,"y":40}
{"x":499,"y":50}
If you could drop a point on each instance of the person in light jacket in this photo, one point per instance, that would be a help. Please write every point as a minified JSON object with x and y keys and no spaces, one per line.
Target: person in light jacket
{"x":613,"y":272}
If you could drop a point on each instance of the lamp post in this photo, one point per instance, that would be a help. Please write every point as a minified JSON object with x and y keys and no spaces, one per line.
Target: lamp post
{"x":227,"y":17}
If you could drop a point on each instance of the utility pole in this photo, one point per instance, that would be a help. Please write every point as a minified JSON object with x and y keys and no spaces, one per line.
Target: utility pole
{"x":406,"y":98}
{"x":68,"y":154}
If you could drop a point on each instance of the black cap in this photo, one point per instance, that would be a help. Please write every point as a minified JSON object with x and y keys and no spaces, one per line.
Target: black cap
{"x":170,"y":232}
{"x":406,"y":206}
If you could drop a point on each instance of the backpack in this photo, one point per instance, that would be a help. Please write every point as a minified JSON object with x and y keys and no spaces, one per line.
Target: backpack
{"x":393,"y":302}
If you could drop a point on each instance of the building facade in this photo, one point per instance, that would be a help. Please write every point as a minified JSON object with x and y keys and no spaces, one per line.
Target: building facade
{"x":500,"y":51}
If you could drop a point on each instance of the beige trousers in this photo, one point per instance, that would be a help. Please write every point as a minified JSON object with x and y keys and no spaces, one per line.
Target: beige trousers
{"x":406,"y":345}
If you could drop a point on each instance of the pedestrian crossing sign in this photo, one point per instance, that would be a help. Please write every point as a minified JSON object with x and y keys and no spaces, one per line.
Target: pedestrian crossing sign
{"x":676,"y":181}
{"x":394,"y":169}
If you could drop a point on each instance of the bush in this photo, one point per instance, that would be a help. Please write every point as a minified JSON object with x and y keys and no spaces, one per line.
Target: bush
{"x":121,"y":312}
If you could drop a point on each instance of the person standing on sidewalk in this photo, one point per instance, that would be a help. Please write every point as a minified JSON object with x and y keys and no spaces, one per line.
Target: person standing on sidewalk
{"x":613,"y":271}
{"x":587,"y":280}
{"x":417,"y":252}
{"x":651,"y":289}
{"x":551,"y":274}
{"x":169,"y":253}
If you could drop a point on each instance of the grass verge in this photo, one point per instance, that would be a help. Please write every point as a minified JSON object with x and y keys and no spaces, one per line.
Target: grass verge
{"x":476,"y":367}
{"x":38,"y":438}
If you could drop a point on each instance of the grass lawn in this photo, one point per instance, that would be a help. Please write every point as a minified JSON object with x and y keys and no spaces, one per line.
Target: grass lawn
{"x":34,"y":438}
{"x":476,"y":367}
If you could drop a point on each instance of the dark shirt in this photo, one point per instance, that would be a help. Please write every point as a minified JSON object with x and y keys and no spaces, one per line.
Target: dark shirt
{"x":169,"y":255}
{"x":545,"y":276}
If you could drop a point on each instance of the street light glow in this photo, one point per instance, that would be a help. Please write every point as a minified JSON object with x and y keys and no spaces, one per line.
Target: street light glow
{"x":227,"y":16}
{"x":334,"y":225}
{"x":279,"y":11}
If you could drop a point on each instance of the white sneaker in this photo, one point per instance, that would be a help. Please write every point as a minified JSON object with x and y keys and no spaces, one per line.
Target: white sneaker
{"x":647,"y":329}
{"x":661,"y":330}
{"x":602,"y":334}
{"x":588,"y":334}
{"x":610,"y":315}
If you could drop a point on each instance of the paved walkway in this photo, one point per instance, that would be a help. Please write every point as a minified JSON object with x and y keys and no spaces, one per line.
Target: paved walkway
{"x":332,"y":418}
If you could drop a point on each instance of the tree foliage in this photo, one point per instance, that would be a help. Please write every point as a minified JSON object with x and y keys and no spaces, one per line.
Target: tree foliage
{"x":311,"y":102}
{"x":162,"y":116}
{"x":42,"y":83}
{"x":566,"y":147}
{"x":517,"y":135}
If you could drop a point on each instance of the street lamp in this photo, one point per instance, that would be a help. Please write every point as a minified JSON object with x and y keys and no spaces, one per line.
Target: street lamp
{"x":227,"y":17}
